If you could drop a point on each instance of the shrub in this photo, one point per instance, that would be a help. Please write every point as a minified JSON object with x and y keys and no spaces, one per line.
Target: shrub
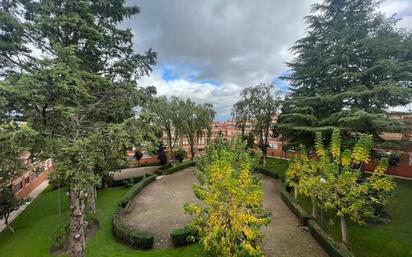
{"x":267,"y":172}
{"x":176,"y":168}
{"x":329,"y":244}
{"x":136,"y":238}
{"x":183,"y":236}
{"x":166,"y":166}
{"x":134,"y":190}
{"x":161,"y":154}
{"x":125,"y":182}
{"x":302,"y":215}
{"x":180,"y":154}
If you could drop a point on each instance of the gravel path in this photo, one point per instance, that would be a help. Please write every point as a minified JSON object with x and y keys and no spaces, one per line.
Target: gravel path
{"x":284,"y":236}
{"x":134,"y":172}
{"x":158,"y":208}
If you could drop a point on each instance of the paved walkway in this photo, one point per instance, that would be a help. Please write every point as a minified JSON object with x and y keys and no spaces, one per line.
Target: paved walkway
{"x":36,"y":192}
{"x":284,"y":236}
{"x":158,"y":208}
{"x":134,"y":172}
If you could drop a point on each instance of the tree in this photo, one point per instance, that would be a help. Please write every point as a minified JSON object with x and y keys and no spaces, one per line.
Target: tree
{"x":14,"y":140}
{"x":258,"y":105}
{"x":166,"y":113}
{"x":8,"y":203}
{"x":334,"y":180}
{"x":138,"y":155}
{"x":229,"y":224}
{"x":85,"y":81}
{"x":193,"y":120}
{"x":180,"y":154}
{"x":350,"y":68}
{"x":161,"y":154}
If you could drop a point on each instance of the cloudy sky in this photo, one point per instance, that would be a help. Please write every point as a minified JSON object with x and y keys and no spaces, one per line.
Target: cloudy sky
{"x":210,"y":49}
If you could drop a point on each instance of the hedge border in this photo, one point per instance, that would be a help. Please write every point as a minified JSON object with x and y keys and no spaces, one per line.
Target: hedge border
{"x":178,"y":167}
{"x":302,"y":215}
{"x":267,"y":172}
{"x":328,"y":243}
{"x":181,"y":236}
{"x":135,"y":238}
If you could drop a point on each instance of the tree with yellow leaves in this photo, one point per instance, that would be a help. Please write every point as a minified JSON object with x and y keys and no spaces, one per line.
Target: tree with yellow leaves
{"x":231,"y":214}
{"x":334,"y":180}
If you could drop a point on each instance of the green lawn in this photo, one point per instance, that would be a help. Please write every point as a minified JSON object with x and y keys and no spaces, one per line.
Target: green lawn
{"x":37,"y":224}
{"x":278,"y":166}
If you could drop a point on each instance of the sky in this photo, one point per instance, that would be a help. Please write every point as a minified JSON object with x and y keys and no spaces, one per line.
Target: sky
{"x":209,"y":50}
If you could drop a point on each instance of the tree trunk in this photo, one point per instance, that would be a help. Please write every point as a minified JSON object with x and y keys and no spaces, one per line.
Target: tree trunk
{"x":172,"y":154}
{"x":192,"y":150}
{"x":76,"y":229}
{"x":91,"y":199}
{"x":314,"y":210}
{"x":6,"y":222}
{"x":344,"y":228}
{"x":296,"y":192}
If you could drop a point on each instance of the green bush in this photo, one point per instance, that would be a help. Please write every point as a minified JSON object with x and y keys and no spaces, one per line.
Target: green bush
{"x":182,"y":236}
{"x":178,"y":167}
{"x":267,"y":172}
{"x":166,"y":166}
{"x":138,"y":239}
{"x":180,"y":155}
{"x":302,"y":215}
{"x":134,"y":190}
{"x":128,"y":182}
{"x":329,"y":244}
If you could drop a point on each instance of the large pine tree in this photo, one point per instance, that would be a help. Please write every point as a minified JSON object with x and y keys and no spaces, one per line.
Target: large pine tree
{"x":350,"y":68}
{"x":77,"y":86}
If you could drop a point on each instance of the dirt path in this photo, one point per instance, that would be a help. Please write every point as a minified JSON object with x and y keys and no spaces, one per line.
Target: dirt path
{"x":134,"y":172}
{"x":158,"y":208}
{"x":284,"y":236}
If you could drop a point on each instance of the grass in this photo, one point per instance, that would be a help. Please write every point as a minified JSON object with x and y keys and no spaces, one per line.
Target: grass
{"x":278,"y":166}
{"x":38,"y":223}
{"x":378,"y":240}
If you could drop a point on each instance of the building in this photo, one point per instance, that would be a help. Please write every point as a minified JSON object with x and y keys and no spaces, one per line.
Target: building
{"x":35,"y":174}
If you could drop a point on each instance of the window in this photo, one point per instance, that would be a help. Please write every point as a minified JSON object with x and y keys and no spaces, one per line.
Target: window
{"x":410,"y":159}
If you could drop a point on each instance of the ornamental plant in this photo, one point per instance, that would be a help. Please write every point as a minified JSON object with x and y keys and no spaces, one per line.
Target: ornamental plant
{"x":334,"y":180}
{"x":231,"y":214}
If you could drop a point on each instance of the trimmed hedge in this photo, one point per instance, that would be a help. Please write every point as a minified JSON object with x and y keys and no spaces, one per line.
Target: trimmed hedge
{"x":125,"y":182}
{"x":182,"y":236}
{"x":134,"y":190}
{"x":136,"y":238}
{"x":178,"y":167}
{"x":329,"y":244}
{"x":267,"y":172}
{"x":166,"y":166}
{"x":302,"y":215}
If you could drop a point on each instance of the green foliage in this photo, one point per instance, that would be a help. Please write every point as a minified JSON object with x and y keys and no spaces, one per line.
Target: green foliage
{"x":136,"y":238}
{"x":180,"y":154}
{"x":192,"y":120}
{"x":173,"y":169}
{"x":8,"y":203}
{"x":258,"y":105}
{"x":134,"y":190}
{"x":230,"y":223}
{"x":331,"y":245}
{"x":161,"y":154}
{"x":183,"y":236}
{"x":302,"y":215}
{"x":335,"y":181}
{"x":349,"y":69}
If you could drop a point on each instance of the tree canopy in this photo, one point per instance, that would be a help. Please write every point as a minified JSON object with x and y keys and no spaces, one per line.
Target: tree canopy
{"x":350,"y":68}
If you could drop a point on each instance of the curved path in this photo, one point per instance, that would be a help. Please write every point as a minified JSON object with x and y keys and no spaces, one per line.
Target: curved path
{"x":158,"y":208}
